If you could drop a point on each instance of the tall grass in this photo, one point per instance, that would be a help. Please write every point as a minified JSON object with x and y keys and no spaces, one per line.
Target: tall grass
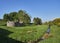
{"x":55,"y":31}
{"x":26,"y":33}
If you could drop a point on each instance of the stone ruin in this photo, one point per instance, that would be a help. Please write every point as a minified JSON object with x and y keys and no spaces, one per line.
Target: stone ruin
{"x":10,"y":24}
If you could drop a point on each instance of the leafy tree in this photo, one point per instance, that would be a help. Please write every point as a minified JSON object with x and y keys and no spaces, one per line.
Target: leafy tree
{"x":6,"y":17}
{"x":50,"y":22}
{"x":27,"y":19}
{"x":20,"y":15}
{"x":45,"y":23}
{"x":23,"y":17}
{"x":13,"y":15}
{"x":37,"y":21}
{"x":56,"y":21}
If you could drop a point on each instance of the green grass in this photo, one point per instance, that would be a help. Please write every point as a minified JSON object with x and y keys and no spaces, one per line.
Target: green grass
{"x":22,"y":34}
{"x":2,"y":23}
{"x":55,"y":31}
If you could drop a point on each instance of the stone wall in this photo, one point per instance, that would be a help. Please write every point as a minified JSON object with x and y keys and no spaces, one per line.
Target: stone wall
{"x":10,"y":24}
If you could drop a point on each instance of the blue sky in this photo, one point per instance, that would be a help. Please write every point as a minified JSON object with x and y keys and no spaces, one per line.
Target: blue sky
{"x":44,"y":9}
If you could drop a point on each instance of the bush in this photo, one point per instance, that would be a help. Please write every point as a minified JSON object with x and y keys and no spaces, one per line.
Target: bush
{"x":37,"y":21}
{"x":58,"y":24}
{"x":56,"y":21}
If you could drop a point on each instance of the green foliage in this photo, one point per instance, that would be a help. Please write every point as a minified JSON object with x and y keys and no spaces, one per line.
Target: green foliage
{"x":24,"y":17}
{"x":48,"y":23}
{"x":13,"y":15}
{"x":10,"y":17}
{"x":56,"y":21}
{"x":6,"y":17}
{"x":58,"y":24}
{"x":27,"y":19}
{"x":20,"y":16}
{"x":45,"y":23}
{"x":37,"y":21}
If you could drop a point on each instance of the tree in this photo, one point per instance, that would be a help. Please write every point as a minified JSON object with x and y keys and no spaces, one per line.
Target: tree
{"x":20,"y":16}
{"x":45,"y":23}
{"x":37,"y":21}
{"x":13,"y":15}
{"x":23,"y":16}
{"x":27,"y":19}
{"x":6,"y":17}
{"x":56,"y":21}
{"x":50,"y":22}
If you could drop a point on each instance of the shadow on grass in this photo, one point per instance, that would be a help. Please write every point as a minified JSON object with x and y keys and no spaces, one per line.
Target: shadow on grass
{"x":4,"y":37}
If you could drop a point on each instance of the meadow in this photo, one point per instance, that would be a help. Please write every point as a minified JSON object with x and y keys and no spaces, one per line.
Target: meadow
{"x":55,"y":32}
{"x":27,"y":33}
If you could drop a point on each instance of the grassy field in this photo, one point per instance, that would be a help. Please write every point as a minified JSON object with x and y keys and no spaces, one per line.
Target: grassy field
{"x":24,"y":33}
{"x":27,"y":33}
{"x":55,"y":31}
